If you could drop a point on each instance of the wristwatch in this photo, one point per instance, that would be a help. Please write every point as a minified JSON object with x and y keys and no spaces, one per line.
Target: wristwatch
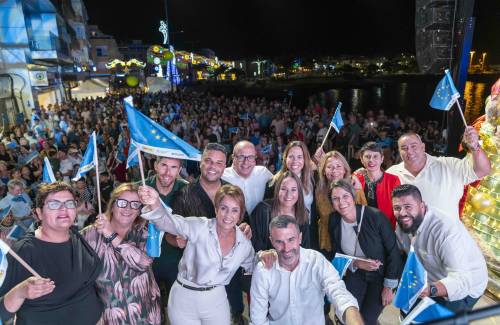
{"x":110,"y":238}
{"x":433,"y":290}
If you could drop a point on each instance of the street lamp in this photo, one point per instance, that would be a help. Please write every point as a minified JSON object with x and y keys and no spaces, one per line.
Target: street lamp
{"x":482,"y":62}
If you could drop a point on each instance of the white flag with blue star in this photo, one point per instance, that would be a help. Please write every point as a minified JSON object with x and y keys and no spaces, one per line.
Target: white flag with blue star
{"x":445,"y":94}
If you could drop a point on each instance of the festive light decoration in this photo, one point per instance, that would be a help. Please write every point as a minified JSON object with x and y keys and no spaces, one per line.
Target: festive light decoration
{"x":122,"y":64}
{"x":132,"y":81}
{"x":482,"y":209}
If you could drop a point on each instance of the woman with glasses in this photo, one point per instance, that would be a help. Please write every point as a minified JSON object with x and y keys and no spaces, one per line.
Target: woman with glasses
{"x":68,"y":266}
{"x":215,"y":249}
{"x":126,"y":284}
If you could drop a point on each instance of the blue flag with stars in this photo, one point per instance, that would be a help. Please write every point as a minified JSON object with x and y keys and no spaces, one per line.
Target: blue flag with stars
{"x":445,"y":94}
{"x":413,"y":281}
{"x":89,"y":160}
{"x":154,"y":139}
{"x":133,"y":155}
{"x":427,"y":310}
{"x":337,"y":123}
{"x":341,"y":262}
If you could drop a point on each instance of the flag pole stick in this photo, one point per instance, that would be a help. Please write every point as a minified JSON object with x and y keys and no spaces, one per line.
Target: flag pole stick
{"x":326,"y":136}
{"x":461,"y":113}
{"x":96,"y":160}
{"x":141,"y":168}
{"x":19,"y":259}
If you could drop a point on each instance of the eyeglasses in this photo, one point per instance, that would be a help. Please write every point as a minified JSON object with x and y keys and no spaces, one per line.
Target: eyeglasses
{"x":122,"y":203}
{"x":56,"y":205}
{"x":242,"y":158}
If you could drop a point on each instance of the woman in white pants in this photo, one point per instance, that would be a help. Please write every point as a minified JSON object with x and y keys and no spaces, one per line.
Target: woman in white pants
{"x":215,"y":249}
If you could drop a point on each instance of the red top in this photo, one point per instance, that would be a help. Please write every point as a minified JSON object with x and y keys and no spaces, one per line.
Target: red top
{"x":384,"y":192}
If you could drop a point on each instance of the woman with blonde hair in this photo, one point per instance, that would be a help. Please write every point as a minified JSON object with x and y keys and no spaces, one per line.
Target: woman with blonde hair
{"x":126,"y":284}
{"x":332,"y":167}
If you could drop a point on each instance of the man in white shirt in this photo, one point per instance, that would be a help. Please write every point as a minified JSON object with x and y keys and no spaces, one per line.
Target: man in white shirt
{"x":456,"y":269}
{"x":440,"y":177}
{"x":292,"y":291}
{"x":244,"y":174}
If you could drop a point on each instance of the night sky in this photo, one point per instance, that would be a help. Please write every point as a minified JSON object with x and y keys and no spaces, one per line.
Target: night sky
{"x":283,"y":28}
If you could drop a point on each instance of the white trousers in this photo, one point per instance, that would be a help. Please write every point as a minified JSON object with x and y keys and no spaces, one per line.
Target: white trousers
{"x":190,"y":307}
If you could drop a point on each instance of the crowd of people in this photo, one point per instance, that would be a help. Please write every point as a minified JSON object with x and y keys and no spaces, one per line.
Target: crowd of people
{"x":263,"y":212}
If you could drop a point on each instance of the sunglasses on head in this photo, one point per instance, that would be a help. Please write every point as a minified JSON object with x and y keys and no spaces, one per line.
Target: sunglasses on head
{"x":122,"y":203}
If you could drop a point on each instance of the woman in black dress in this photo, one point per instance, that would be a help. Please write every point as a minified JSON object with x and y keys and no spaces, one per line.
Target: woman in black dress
{"x":66,"y":293}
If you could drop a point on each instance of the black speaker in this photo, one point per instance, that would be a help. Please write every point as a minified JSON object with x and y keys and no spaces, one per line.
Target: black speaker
{"x":433,"y":25}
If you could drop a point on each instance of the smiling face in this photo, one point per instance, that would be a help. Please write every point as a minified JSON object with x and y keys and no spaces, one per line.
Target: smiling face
{"x":167,"y":170}
{"x":59,"y":220}
{"x":409,"y":212}
{"x":228,"y":213}
{"x":343,"y":202}
{"x":295,"y":160}
{"x":244,"y":159}
{"x":334,"y":170}
{"x":212,"y":165}
{"x":287,"y":241}
{"x":288,"y":193}
{"x":372,"y":160}
{"x":125,"y":216}
{"x":412,"y":151}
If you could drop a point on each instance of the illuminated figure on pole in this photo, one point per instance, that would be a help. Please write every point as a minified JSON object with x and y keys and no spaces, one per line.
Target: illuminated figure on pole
{"x":164,"y":30}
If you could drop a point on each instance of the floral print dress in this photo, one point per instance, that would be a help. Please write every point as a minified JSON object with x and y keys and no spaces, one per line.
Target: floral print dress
{"x":126,"y":284}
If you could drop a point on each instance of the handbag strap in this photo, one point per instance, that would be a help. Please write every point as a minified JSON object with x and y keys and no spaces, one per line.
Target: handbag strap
{"x":359,"y":228}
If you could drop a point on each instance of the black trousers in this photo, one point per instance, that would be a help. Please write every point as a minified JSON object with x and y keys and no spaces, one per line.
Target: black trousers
{"x":368,"y":295}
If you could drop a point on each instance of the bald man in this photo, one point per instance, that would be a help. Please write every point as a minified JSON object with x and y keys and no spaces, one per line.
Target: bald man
{"x":441,"y":180}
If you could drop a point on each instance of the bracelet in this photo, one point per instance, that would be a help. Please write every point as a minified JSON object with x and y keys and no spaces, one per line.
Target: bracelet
{"x":109,"y":239}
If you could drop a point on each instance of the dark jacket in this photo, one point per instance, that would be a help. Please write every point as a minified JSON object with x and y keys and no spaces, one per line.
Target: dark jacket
{"x":377,"y":240}
{"x":259,"y":222}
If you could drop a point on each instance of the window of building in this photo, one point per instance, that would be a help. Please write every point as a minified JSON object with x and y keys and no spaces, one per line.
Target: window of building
{"x":101,"y":51}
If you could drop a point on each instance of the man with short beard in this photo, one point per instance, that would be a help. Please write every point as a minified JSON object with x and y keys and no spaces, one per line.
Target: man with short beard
{"x":292,"y":290}
{"x":167,"y":182}
{"x":456,"y":269}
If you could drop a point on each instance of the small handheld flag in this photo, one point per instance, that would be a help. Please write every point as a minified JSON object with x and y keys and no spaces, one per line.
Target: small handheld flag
{"x":445,"y":95}
{"x":89,"y":159}
{"x":413,"y":282}
{"x":337,"y":123}
{"x":48,"y":174}
{"x":155,"y":237}
{"x":341,"y":262}
{"x":153,"y":242}
{"x":425,"y":311}
{"x":4,"y":249}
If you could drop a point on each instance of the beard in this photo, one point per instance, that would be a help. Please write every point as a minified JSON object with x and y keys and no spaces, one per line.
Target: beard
{"x":417,"y":221}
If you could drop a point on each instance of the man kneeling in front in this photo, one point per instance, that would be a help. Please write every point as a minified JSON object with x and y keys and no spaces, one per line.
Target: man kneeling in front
{"x":292,"y":291}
